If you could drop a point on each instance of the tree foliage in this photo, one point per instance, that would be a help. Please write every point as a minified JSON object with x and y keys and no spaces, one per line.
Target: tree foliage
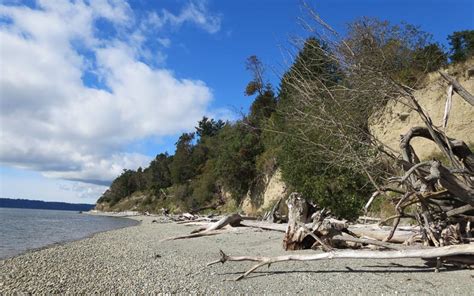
{"x":120,"y":188}
{"x":181,"y":168}
{"x":208,"y":127}
{"x":158,"y":173}
{"x":256,"y":85}
{"x":309,"y":115}
{"x":462,"y":45}
{"x":403,"y":51}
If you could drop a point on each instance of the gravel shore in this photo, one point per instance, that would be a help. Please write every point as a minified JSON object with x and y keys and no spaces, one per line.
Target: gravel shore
{"x":132,"y":260}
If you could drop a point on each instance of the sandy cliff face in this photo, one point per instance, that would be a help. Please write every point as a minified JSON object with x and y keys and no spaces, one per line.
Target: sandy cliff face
{"x":274,"y":189}
{"x":398,"y":119}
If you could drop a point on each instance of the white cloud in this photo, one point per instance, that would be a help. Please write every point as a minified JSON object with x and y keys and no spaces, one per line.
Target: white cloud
{"x":22,"y":184}
{"x":81,"y":192}
{"x":54,"y":122}
{"x":195,"y":12}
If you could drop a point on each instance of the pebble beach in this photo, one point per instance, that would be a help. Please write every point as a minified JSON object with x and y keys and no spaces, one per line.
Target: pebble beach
{"x":133,"y":260}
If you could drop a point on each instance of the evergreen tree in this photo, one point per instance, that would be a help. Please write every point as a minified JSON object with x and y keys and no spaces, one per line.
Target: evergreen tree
{"x":158,"y":174}
{"x":462,"y":45}
{"x":181,"y":168}
{"x":306,"y":138}
{"x":208,"y":127}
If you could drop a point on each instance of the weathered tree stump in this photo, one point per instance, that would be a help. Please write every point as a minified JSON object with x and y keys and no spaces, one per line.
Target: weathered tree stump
{"x":298,"y":212}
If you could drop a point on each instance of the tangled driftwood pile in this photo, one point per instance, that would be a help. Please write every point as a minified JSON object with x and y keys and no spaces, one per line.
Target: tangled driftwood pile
{"x":438,"y":197}
{"x":360,"y":241}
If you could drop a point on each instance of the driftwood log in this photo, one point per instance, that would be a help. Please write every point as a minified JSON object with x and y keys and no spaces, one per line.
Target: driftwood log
{"x":212,"y":229}
{"x":442,"y":252}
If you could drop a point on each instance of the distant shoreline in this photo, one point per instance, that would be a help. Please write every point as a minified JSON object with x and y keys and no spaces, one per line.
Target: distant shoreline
{"x":43,"y":205}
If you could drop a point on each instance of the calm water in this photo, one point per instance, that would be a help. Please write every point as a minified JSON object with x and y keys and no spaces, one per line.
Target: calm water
{"x":26,"y":229}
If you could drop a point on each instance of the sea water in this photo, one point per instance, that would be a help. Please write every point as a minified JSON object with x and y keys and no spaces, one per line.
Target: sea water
{"x":26,"y":229}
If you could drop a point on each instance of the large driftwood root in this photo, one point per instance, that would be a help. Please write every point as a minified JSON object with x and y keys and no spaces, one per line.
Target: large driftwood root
{"x":321,"y":233}
{"x":300,"y":235}
{"x":443,"y":196}
{"x":441,"y":252}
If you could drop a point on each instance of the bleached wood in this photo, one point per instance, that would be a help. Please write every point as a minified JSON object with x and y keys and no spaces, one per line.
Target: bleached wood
{"x":212,"y":229}
{"x":455,"y":250}
{"x":458,"y":88}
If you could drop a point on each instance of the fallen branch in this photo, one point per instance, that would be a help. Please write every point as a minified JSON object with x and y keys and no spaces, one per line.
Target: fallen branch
{"x":459,"y":148}
{"x":264,"y":225}
{"x":380,"y":235}
{"x":456,"y":250}
{"x":460,"y":210}
{"x":195,"y":221}
{"x":197,"y":234}
{"x":366,"y":219}
{"x":458,"y":88}
{"x":272,"y":215}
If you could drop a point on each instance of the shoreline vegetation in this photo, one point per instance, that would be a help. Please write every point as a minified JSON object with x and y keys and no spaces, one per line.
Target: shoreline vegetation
{"x":316,"y":127}
{"x":135,"y":260}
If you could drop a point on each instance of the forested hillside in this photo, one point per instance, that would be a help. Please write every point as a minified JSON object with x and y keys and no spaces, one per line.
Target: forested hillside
{"x":313,"y":126}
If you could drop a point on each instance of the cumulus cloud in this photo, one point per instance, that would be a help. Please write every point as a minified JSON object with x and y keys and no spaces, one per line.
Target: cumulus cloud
{"x":72,"y":96}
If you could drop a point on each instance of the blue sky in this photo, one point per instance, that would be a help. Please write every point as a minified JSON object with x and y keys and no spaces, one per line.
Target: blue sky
{"x":90,"y":88}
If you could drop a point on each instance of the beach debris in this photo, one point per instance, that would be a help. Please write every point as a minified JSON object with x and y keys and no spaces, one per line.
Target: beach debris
{"x":274,"y":216}
{"x":188,"y":216}
{"x":468,"y":97}
{"x":164,"y":211}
